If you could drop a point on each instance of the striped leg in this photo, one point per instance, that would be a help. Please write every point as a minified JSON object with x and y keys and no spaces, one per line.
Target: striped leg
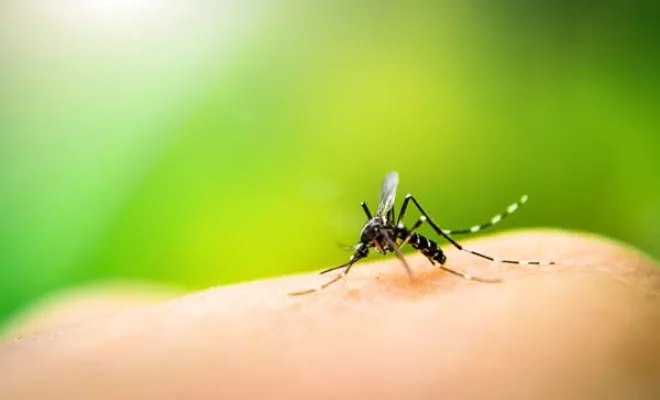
{"x":496,"y":219}
{"x":458,"y":246}
{"x":467,"y":276}
{"x":412,"y":230}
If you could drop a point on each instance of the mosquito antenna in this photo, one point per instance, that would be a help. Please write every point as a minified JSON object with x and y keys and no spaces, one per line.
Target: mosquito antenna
{"x":345,"y":246}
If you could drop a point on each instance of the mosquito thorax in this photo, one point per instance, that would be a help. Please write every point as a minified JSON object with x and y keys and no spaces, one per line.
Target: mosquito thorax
{"x":371,"y":229}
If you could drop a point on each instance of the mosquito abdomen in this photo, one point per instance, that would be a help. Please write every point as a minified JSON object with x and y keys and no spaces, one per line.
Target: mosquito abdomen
{"x":428,"y":247}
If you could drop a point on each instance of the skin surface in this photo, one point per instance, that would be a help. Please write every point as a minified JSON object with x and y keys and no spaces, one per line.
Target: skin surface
{"x":585,"y":328}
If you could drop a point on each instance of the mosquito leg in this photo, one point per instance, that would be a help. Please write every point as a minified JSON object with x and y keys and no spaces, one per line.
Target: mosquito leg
{"x":398,"y":253}
{"x":458,"y":246}
{"x":378,"y":247}
{"x":465,"y":275}
{"x":336,"y":278}
{"x":470,"y":277}
{"x":402,"y":212}
{"x":412,"y":230}
{"x":496,"y":219}
{"x":365,"y":208}
{"x":361,"y":251}
{"x":390,"y":215}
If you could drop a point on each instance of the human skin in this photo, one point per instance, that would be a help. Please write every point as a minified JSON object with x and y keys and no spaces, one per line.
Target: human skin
{"x":585,"y":328}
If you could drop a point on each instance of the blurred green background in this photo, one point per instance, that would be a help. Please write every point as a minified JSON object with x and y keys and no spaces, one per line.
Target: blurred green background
{"x":199,"y":143}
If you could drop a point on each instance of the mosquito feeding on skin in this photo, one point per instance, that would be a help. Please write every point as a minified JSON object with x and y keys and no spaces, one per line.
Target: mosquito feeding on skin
{"x":386,"y":233}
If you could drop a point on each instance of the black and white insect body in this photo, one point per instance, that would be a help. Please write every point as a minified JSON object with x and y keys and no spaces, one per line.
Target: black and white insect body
{"x":386,"y":233}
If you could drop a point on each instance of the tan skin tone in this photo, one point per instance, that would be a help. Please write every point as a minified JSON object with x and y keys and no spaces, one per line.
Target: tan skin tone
{"x":586,"y":328}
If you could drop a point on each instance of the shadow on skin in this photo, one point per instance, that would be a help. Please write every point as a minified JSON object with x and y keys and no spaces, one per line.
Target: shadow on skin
{"x":585,"y":328}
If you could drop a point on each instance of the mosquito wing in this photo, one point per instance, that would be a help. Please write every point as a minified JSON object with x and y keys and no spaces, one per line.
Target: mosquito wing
{"x":387,"y":193}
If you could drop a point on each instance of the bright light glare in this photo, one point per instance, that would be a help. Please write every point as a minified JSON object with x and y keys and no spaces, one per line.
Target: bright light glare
{"x":115,"y":12}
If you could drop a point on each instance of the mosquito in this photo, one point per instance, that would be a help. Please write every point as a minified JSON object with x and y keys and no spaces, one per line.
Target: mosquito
{"x":385,"y":232}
